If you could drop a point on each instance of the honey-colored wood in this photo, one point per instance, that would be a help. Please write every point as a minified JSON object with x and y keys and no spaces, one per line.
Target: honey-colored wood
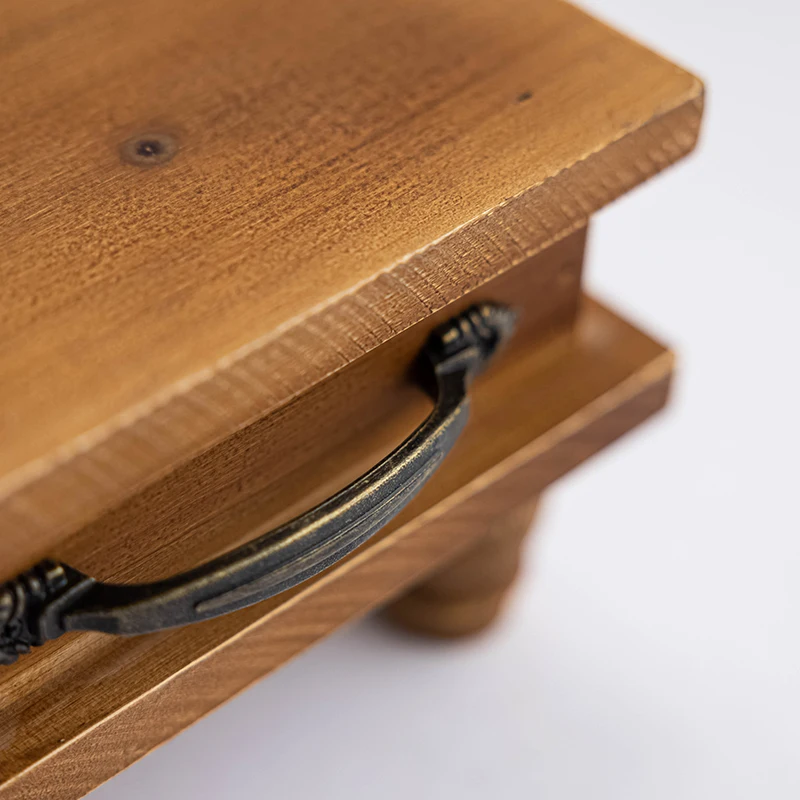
{"x":465,"y":596}
{"x":343,"y":170}
{"x":85,"y":706}
{"x":188,"y":516}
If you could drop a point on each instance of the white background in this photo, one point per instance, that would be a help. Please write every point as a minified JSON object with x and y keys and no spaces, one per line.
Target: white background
{"x":652,"y":650}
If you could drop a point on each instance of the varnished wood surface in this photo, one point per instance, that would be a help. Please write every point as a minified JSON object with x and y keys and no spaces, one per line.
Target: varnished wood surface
{"x":343,"y":170}
{"x":85,"y":706}
{"x":186,"y":517}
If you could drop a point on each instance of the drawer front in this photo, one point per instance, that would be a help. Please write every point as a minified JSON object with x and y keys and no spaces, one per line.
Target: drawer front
{"x":201,"y":508}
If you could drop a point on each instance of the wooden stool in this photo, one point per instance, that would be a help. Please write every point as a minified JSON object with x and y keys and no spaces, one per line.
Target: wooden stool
{"x":292,"y":328}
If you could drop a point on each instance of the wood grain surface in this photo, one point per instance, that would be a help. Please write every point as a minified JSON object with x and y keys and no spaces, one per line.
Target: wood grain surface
{"x":330,"y":173}
{"x":85,"y":706}
{"x":184,"y":518}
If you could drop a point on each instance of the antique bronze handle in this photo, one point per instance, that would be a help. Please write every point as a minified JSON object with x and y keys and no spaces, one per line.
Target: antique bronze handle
{"x":54,"y":598}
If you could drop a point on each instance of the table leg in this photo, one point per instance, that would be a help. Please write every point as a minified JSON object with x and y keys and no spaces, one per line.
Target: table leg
{"x":466,"y":595}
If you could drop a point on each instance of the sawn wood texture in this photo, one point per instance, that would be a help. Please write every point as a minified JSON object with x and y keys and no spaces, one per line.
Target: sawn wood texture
{"x":342,"y":170}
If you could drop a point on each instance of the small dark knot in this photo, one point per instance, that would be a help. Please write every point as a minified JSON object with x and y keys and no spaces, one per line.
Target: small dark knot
{"x":149,"y":149}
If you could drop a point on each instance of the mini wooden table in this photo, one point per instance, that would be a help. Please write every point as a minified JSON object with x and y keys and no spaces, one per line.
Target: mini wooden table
{"x":231,"y":230}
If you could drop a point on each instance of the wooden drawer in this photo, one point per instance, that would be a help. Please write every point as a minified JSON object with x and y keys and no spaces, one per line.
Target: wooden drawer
{"x":202,"y":506}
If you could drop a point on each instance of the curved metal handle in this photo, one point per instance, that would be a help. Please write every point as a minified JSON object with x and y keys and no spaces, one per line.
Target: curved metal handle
{"x":54,"y":598}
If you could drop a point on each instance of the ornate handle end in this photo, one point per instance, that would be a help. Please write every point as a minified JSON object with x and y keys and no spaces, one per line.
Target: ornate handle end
{"x":482,"y":328}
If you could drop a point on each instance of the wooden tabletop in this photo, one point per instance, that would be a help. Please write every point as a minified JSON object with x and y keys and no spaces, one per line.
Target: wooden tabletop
{"x":209,"y":206}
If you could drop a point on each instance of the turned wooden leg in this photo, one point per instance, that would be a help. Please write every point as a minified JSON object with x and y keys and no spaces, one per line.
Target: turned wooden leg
{"x":466,"y":595}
